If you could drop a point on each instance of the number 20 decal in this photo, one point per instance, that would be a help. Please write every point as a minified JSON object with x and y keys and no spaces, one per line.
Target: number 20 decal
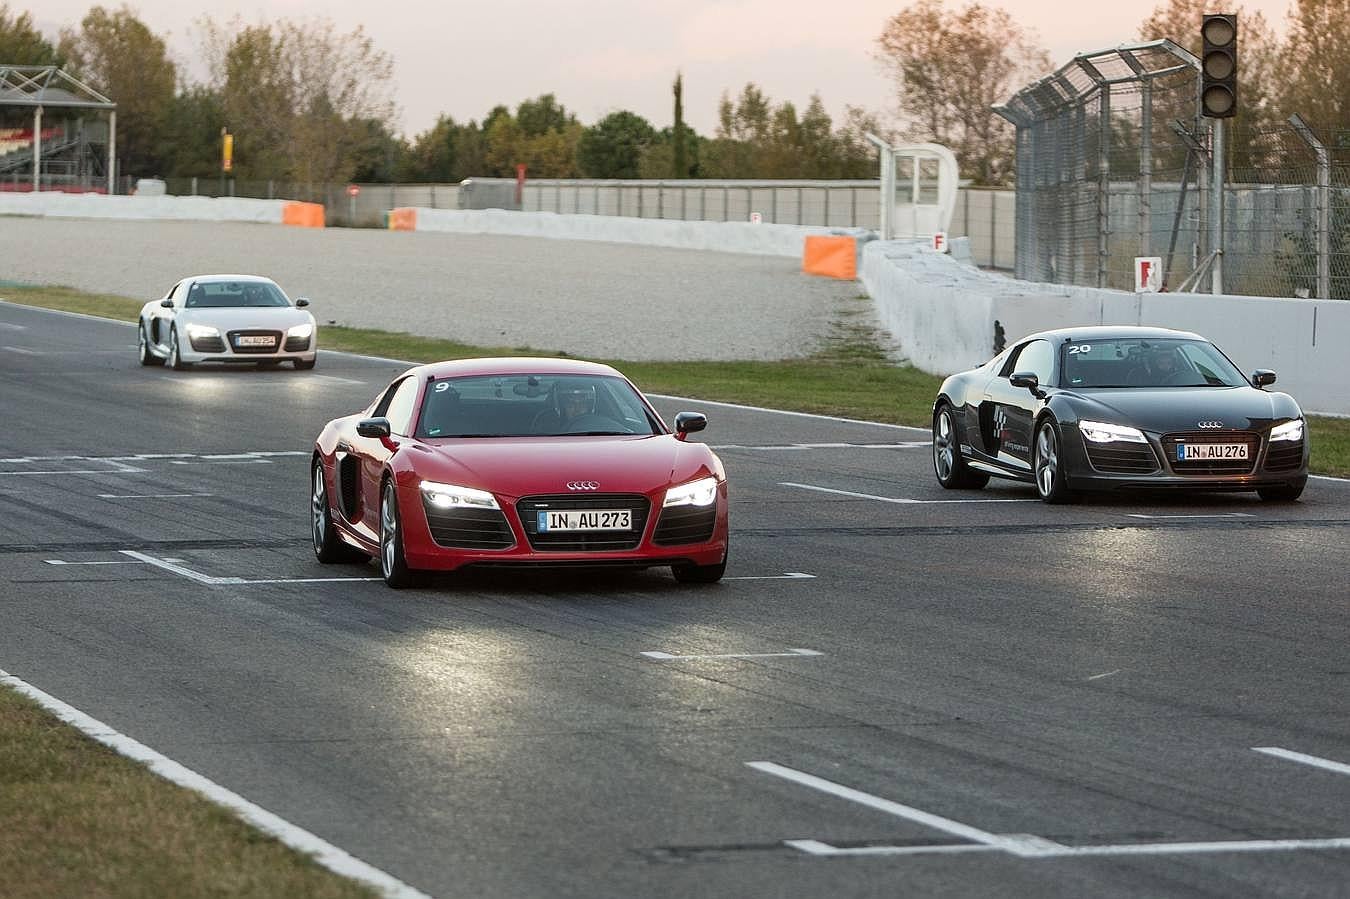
{"x":1081,"y":348}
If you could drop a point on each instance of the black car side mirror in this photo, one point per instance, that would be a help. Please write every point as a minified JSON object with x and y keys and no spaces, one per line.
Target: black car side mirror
{"x":166,"y":303}
{"x":302,"y":303}
{"x":687,"y":423}
{"x":374,"y":427}
{"x":1028,"y":380}
{"x":1263,"y":377}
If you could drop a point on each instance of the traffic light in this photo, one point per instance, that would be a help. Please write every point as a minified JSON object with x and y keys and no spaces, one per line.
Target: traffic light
{"x":1218,"y":66}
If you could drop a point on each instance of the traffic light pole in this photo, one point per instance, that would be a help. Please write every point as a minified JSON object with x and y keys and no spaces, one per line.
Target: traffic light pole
{"x":1217,"y":163}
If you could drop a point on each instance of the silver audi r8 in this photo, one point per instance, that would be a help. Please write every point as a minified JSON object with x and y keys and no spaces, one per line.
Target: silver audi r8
{"x":226,"y":318}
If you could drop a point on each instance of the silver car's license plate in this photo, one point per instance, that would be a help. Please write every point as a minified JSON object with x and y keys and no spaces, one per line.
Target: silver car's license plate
{"x":1204,"y":452}
{"x":255,"y":340}
{"x":589,"y":520}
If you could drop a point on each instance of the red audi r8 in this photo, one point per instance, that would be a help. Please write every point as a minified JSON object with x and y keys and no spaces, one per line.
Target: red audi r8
{"x":552,"y":462}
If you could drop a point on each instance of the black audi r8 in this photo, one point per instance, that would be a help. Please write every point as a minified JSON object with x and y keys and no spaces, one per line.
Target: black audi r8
{"x":1107,"y":408}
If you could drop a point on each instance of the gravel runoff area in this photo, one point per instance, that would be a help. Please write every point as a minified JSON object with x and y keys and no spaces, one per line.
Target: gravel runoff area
{"x":603,"y":300}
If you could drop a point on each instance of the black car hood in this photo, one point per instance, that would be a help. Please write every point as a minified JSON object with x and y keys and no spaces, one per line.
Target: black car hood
{"x":1167,"y":409}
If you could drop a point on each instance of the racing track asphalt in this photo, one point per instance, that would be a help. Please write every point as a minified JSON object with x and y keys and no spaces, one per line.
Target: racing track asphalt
{"x":1028,"y":701}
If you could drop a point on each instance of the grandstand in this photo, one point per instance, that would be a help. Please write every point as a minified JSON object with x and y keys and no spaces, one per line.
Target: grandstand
{"x":56,"y":132}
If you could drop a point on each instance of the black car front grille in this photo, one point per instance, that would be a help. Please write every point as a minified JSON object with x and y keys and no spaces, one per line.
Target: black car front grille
{"x":583,"y":541}
{"x":243,"y":350}
{"x":1202,"y":467}
{"x":680,"y":525}
{"x":1284,"y":455}
{"x":207,"y":344}
{"x":468,"y":528}
{"x":1119,"y":457}
{"x":297,"y":344}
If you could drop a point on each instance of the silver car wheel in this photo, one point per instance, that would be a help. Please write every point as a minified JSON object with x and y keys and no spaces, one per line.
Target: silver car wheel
{"x":943,"y":446}
{"x":319,"y":508}
{"x":1047,"y":460}
{"x":388,"y":530}
{"x":173,"y":349}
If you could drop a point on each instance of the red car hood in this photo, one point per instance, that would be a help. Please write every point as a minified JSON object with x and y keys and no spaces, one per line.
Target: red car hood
{"x":532,"y":465}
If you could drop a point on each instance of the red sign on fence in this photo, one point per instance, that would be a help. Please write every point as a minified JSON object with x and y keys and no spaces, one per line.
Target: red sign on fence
{"x":353,"y":190}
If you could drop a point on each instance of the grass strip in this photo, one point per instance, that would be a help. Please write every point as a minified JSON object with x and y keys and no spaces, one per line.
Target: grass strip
{"x":80,"y":820}
{"x":849,"y":376}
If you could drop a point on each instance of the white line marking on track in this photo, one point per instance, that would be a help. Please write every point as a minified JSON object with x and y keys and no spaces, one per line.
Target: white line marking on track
{"x":674,"y":657}
{"x":850,"y":421}
{"x":817,"y":848}
{"x":817,"y":446}
{"x":6,"y":326}
{"x":1106,"y":674}
{"x":123,"y":470}
{"x":785,"y":576}
{"x":900,"y":500}
{"x":181,"y":570}
{"x":21,"y":351}
{"x":175,"y":566}
{"x":899,"y":810}
{"x":340,"y":380}
{"x":1211,"y":515}
{"x":331,"y":857}
{"x":112,"y":562}
{"x":151,"y":495}
{"x":220,"y":461}
{"x":1303,"y":759}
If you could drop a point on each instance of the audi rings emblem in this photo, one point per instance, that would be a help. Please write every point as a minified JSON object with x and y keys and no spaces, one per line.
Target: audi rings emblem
{"x":583,"y":485}
{"x":1210,"y":424}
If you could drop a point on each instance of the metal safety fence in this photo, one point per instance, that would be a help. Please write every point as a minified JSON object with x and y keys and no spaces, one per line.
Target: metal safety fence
{"x":1113,"y":163}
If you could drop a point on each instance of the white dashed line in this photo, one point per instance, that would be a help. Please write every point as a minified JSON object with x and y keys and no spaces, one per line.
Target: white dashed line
{"x":900,"y":500}
{"x":787,"y":654}
{"x":1303,"y":759}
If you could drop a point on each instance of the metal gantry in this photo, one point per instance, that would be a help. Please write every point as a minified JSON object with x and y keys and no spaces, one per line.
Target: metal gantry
{"x":50,"y":87}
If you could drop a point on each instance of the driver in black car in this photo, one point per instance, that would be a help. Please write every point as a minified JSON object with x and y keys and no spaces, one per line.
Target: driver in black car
{"x":1164,"y":368}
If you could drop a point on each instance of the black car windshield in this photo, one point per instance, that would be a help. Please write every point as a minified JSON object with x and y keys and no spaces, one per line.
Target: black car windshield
{"x":234,"y":294}
{"x":1147,"y":362}
{"x":533,"y":406}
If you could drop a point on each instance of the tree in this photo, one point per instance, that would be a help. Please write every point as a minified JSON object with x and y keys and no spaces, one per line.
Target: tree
{"x":613,"y":146}
{"x":21,"y":44}
{"x":194,"y":119}
{"x":300,"y":97}
{"x":119,"y":56}
{"x":1315,"y":65}
{"x":950,"y":68}
{"x":679,"y":167}
{"x":543,"y":114}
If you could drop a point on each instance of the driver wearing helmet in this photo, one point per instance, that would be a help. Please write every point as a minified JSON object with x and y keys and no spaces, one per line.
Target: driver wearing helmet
{"x":569,"y":402}
{"x":1163,"y":367}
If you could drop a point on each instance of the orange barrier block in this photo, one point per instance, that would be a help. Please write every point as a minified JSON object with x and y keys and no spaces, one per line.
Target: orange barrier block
{"x":302,"y":215}
{"x":404,"y":219}
{"x":833,"y":257}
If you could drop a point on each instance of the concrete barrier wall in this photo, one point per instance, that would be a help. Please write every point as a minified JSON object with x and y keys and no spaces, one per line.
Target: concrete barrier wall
{"x":727,"y":237}
{"x":51,"y":204}
{"x":942,"y":313}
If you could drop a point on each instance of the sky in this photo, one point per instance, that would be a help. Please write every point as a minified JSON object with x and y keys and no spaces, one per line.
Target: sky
{"x":599,"y":56}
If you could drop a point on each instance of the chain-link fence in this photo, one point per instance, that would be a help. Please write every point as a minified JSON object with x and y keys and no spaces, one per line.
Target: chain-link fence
{"x":1114,"y":163}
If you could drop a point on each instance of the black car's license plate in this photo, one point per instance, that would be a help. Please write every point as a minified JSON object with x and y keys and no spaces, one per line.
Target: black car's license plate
{"x":1205,"y":452}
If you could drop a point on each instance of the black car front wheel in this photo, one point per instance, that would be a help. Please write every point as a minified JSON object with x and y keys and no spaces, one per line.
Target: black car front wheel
{"x":952,"y":471}
{"x":1048,"y":464}
{"x":1285,"y":493}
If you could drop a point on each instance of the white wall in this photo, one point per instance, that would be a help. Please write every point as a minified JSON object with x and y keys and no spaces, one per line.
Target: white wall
{"x":54,"y":204}
{"x":942,"y":313}
{"x":729,"y":237}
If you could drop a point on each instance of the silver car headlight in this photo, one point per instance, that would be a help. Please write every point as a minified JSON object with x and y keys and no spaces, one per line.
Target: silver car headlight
{"x":702,"y":492}
{"x":1290,"y":430}
{"x":450,"y":496}
{"x":201,"y":332}
{"x":303,"y":332}
{"x":1104,"y":432}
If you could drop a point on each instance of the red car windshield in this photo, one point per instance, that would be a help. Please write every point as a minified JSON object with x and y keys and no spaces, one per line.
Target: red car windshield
{"x":533,"y":406}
